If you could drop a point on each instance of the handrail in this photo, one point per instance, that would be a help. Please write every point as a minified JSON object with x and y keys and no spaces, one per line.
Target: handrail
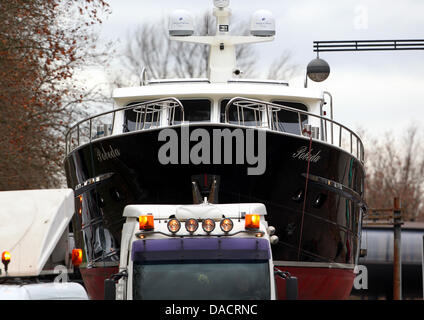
{"x":258,"y":106}
{"x":331,"y":113}
{"x":139,"y":106}
{"x":269,"y":106}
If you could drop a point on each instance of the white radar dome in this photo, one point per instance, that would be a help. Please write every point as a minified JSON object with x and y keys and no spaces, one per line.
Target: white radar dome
{"x":262,"y":24}
{"x":181,"y":23}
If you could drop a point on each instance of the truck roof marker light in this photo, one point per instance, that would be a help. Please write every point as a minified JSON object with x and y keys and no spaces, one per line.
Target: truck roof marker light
{"x":191,"y":225}
{"x":174,"y":225}
{"x":252,"y":221}
{"x":208,"y":225}
{"x":146,"y":222}
{"x":76,"y":257}
{"x":226,"y":225}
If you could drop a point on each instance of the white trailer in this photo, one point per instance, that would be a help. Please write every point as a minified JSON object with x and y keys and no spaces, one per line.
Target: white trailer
{"x":36,"y":245}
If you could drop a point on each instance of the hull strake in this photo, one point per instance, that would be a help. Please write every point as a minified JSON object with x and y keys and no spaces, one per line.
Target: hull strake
{"x":128,"y":172}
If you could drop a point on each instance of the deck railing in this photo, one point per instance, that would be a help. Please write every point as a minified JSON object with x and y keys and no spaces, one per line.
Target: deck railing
{"x":148,"y":115}
{"x":266,"y":114}
{"x":262,"y":115}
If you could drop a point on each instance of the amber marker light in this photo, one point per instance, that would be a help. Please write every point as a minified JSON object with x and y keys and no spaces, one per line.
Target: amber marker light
{"x":252,"y":221}
{"x":80,"y":204}
{"x":146,"y":222}
{"x":174,"y":225}
{"x":208,"y":225}
{"x":226,"y":225}
{"x":76,"y":257}
{"x":5,"y":258}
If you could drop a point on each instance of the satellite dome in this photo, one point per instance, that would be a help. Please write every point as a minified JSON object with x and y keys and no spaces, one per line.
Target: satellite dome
{"x":262,"y":24}
{"x":181,"y":23}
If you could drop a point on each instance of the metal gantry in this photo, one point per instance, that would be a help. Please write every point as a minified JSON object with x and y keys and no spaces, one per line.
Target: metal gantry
{"x":368,"y":45}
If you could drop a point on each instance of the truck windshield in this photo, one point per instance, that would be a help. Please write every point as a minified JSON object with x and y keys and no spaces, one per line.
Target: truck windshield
{"x":202,"y":280}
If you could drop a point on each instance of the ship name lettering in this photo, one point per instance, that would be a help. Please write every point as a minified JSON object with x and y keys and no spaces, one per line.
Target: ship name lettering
{"x":103,"y":155}
{"x":303,"y":154}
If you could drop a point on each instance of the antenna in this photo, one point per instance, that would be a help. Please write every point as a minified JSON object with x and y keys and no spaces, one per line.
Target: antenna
{"x":222,"y":56}
{"x":221,"y":3}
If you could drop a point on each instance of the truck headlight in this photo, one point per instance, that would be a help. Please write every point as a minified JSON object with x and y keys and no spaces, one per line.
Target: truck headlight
{"x":191,"y":225}
{"x":226,"y":225}
{"x":174,"y":225}
{"x":208,"y":225}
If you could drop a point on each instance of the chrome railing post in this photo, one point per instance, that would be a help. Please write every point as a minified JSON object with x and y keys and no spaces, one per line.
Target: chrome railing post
{"x":78,"y":136}
{"x":331,"y":113}
{"x":321,"y":121}
{"x":300,"y":123}
{"x":144,"y":118}
{"x":267,"y":116}
{"x":326,"y":136}
{"x":90,"y":132}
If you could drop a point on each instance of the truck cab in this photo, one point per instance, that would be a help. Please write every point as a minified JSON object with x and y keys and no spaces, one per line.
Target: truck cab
{"x":195,"y":252}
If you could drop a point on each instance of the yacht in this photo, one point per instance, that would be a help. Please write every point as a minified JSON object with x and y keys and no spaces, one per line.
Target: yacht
{"x":223,"y":139}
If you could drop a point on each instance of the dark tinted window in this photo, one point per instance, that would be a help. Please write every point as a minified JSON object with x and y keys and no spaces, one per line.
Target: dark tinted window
{"x":197,"y":280}
{"x":195,"y":110}
{"x":223,"y":105}
{"x":288,"y":121}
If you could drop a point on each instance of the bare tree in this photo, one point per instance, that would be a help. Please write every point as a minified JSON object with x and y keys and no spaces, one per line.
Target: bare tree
{"x":42,"y":44}
{"x":281,"y":68}
{"x":149,"y":46}
{"x":396,"y":168}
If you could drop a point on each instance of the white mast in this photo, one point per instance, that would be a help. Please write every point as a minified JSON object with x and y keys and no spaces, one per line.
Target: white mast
{"x":222,"y":57}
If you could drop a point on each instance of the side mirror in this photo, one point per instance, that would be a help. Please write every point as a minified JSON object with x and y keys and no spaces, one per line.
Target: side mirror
{"x":110,"y":289}
{"x":292,"y":288}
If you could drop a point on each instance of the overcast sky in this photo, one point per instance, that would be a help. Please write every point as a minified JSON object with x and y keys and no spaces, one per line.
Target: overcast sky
{"x":379,"y":91}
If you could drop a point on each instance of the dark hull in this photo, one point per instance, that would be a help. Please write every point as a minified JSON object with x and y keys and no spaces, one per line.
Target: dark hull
{"x":325,"y":231}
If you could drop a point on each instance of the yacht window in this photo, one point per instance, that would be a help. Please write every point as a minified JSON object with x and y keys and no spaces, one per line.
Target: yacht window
{"x":288,"y":121}
{"x":195,"y":110}
{"x":248,"y":117}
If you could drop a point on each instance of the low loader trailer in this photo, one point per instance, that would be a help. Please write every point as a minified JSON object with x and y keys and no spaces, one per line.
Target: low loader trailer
{"x":197,"y":252}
